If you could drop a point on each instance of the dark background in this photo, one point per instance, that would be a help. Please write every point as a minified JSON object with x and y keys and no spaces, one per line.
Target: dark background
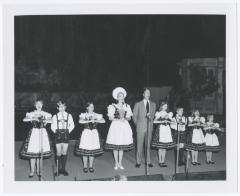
{"x":89,"y":55}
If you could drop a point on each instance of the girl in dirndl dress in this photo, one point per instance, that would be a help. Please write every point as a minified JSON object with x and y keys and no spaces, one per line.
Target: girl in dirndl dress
{"x":89,"y":144}
{"x":163,"y":136}
{"x":37,"y":143}
{"x":119,"y":136}
{"x":211,"y":138}
{"x":179,"y":130}
{"x":195,"y":139}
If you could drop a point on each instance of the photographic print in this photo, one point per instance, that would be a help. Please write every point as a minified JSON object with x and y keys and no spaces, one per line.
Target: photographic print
{"x":120,"y":97}
{"x":102,"y":98}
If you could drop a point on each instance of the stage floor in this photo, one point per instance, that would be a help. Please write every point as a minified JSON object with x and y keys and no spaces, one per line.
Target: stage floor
{"x":104,"y":164}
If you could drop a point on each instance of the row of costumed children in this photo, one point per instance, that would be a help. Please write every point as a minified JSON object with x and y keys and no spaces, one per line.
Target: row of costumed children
{"x":195,"y":134}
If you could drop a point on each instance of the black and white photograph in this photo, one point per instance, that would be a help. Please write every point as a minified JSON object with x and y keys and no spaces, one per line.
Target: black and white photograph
{"x":121,"y":97}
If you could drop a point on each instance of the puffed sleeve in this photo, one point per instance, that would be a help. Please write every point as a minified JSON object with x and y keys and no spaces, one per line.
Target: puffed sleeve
{"x":157,"y":115}
{"x":162,"y":114}
{"x":190,"y":119}
{"x":170,"y":115}
{"x":99,"y":116}
{"x":54,"y":124}
{"x":111,"y":111}
{"x":29,"y":114}
{"x":174,"y":126}
{"x":217,"y":125}
{"x":82,"y":116}
{"x":71,"y":124}
{"x":202,"y":120}
{"x":129,"y":112}
{"x":48,"y":115}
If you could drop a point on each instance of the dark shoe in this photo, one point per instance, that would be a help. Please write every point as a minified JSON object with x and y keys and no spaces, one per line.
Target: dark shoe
{"x":56,"y":174}
{"x":194,"y":163}
{"x":208,"y":162}
{"x":164,"y":164}
{"x":85,"y":170}
{"x":137,"y":165}
{"x":65,"y":173}
{"x":91,"y":169}
{"x":60,"y":171}
{"x":31,"y":175}
{"x":212,"y":162}
{"x":160,"y":164}
{"x":198,"y":163}
{"x":150,"y":165}
{"x":181,"y":163}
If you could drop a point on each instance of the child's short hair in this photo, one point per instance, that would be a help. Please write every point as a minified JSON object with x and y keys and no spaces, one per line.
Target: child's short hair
{"x":61,"y":103}
{"x":144,"y":89}
{"x":38,"y":100}
{"x":194,"y":110}
{"x":179,"y":107}
{"x":88,"y":104}
{"x":210,"y":116}
{"x":162,"y":104}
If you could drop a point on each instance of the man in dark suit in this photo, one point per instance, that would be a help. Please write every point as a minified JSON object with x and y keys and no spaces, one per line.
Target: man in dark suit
{"x":142,"y":112}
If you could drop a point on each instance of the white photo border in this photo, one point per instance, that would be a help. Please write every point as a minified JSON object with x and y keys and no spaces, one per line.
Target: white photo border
{"x":9,"y":10}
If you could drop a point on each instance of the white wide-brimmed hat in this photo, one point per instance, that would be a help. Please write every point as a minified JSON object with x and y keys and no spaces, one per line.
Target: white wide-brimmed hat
{"x":118,"y":90}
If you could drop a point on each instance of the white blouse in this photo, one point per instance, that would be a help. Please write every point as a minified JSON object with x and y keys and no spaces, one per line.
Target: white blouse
{"x":215,"y":125}
{"x":191,"y":119}
{"x":37,"y":114}
{"x":112,"y":109}
{"x":164,"y":114}
{"x":94,"y":116}
{"x":180,"y":127}
{"x":62,"y":125}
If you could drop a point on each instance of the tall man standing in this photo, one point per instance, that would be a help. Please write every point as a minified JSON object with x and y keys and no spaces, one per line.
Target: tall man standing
{"x":143,"y":111}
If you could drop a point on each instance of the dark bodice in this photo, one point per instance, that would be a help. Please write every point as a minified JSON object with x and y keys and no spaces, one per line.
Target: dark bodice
{"x":211,"y":131}
{"x":90,"y":126}
{"x":117,"y":113}
{"x":196,"y":127}
{"x":37,"y":124}
{"x":162,"y":119}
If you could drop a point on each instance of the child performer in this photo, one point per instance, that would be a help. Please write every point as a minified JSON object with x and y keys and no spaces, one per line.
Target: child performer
{"x":163,"y":137}
{"x":195,"y":139}
{"x":211,"y":138}
{"x":179,"y":128}
{"x":37,"y":144}
{"x":89,"y":145}
{"x":62,"y":126}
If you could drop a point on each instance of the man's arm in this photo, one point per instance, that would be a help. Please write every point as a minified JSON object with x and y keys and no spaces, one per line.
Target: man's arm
{"x":135,"y":113}
{"x":154,"y":110}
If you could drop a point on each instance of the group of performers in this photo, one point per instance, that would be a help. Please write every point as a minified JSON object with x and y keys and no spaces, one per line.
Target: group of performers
{"x":191,"y":133}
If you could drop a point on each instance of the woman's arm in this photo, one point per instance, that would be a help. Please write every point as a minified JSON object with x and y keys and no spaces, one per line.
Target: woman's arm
{"x":99,"y":121}
{"x":71,"y":124}
{"x":83,"y":121}
{"x":27,"y":119}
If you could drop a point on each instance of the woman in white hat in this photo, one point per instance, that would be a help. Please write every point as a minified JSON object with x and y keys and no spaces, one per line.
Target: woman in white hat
{"x":119,"y":136}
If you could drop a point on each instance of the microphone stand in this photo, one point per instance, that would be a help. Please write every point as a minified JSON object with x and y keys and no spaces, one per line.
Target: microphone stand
{"x":187,"y":159}
{"x":41,"y":151}
{"x":178,"y":147}
{"x":146,"y":154}
{"x":187,"y":164}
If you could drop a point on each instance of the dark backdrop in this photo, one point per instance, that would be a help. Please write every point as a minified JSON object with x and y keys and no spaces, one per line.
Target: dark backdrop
{"x":95,"y":53}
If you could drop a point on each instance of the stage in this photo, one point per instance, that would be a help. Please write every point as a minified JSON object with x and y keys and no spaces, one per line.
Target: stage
{"x":104,"y":164}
